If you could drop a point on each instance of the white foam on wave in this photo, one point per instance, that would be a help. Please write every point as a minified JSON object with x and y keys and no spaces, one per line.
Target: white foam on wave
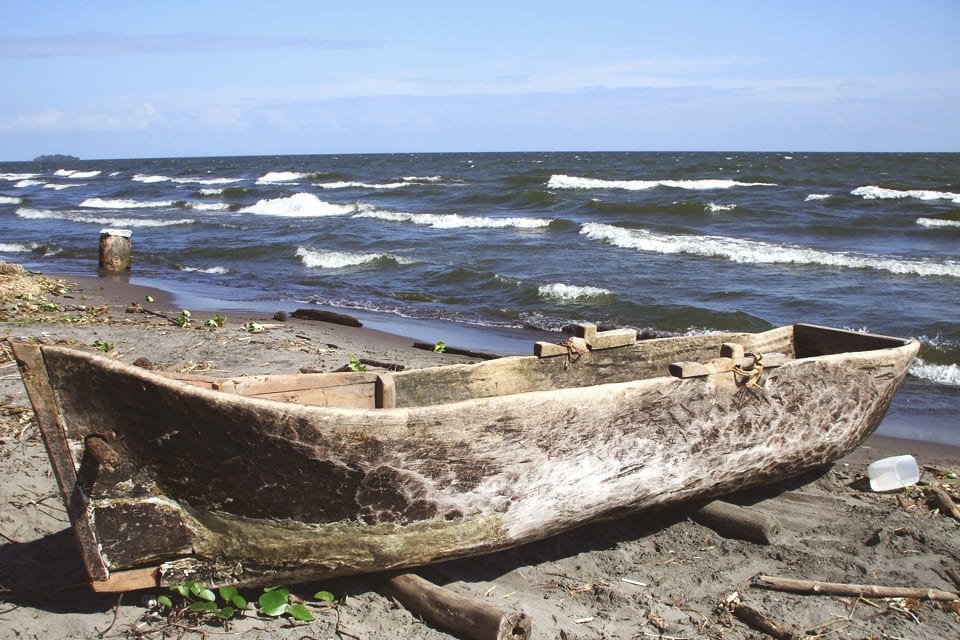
{"x":280,"y":177}
{"x":712,"y":207}
{"x":118,"y":203}
{"x":299,"y":205}
{"x":873,"y":192}
{"x":208,"y":206}
{"x":148,"y":179}
{"x":937,"y":222}
{"x":454,"y":220}
{"x":211,"y":192}
{"x":41,"y":214}
{"x":948,"y":374}
{"x":15,"y":247}
{"x":563,"y":291}
{"x":18,"y":176}
{"x":359,"y":185}
{"x":61,"y":187}
{"x":816,"y":196}
{"x":314,"y":259}
{"x":27,"y":182}
{"x":423,"y":179}
{"x":10,"y":200}
{"x":560,"y":181}
{"x":211,"y":270}
{"x":76,"y":174}
{"x":758,"y":252}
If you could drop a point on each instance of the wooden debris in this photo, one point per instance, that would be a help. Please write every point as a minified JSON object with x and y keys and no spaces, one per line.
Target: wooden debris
{"x":733,"y":521}
{"x":945,"y":502}
{"x":605,"y":339}
{"x":688,"y":369}
{"x":812,"y":587}
{"x":467,"y":617}
{"x":755,"y":619}
{"x":480,"y":355}
{"x":326,"y":316}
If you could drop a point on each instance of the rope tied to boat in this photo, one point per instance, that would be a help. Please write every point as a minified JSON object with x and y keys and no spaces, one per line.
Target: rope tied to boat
{"x":751,"y":373}
{"x":574,"y":351}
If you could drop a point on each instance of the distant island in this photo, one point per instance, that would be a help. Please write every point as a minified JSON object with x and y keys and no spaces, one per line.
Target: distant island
{"x":55,"y":157}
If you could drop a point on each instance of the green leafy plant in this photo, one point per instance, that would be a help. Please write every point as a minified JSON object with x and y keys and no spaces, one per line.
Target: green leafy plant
{"x":254,"y":327}
{"x":440,"y":347}
{"x":355,"y":364}
{"x":105,"y":347}
{"x":276,"y":602}
{"x":215,"y":322}
{"x":201,"y":600}
{"x":148,"y":299}
{"x":183,"y":320}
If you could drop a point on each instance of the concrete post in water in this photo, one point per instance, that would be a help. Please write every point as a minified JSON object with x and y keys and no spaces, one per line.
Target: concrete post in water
{"x":115,"y":249}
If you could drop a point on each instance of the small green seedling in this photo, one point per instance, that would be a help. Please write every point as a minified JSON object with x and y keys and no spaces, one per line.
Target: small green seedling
{"x":355,"y":364}
{"x":215,"y":322}
{"x":183,"y":320}
{"x":148,"y":299}
{"x":105,"y":347}
{"x":202,"y":600}
{"x":440,"y":347}
{"x":254,"y":327}
{"x":276,"y":602}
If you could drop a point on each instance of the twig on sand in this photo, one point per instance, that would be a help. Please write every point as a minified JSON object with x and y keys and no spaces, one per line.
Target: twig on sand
{"x":116,"y":611}
{"x":755,"y":619}
{"x":945,"y":502}
{"x":812,"y":587}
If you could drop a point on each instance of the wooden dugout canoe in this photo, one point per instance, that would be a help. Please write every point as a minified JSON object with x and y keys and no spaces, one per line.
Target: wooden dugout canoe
{"x":269,"y":479}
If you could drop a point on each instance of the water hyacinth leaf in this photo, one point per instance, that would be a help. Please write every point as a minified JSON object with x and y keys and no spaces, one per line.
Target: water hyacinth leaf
{"x":326,"y":596}
{"x":274,"y":602}
{"x":300,"y":612}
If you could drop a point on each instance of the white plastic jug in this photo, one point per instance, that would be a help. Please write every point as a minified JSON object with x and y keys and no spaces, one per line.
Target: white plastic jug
{"x":892,"y":473}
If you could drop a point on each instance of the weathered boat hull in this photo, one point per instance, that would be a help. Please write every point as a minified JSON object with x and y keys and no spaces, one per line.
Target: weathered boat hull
{"x":175,"y":481}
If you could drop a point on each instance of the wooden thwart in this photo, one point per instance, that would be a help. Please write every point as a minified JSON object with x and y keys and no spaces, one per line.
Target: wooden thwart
{"x":586,"y":338}
{"x":687,"y":369}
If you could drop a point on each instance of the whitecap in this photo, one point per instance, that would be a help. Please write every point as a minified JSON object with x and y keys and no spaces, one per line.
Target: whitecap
{"x":314,"y":259}
{"x":937,"y":222}
{"x":61,"y":187}
{"x":15,"y":247}
{"x":757,"y":252}
{"x":41,"y":214}
{"x":423,"y":178}
{"x":947,"y":374}
{"x":211,"y":192}
{"x":454,"y":220}
{"x":559,"y":181}
{"x":116,"y":203}
{"x":299,"y":205}
{"x":358,"y":185}
{"x":816,"y":196}
{"x":276,"y":177}
{"x":27,"y":182}
{"x":873,"y":192}
{"x":211,"y":270}
{"x":18,"y":176}
{"x":563,"y":291}
{"x":10,"y":200}
{"x":208,"y":206}
{"x":719,"y":208}
{"x":149,"y":179}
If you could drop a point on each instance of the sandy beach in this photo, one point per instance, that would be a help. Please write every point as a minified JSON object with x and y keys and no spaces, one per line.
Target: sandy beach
{"x":658,"y":575}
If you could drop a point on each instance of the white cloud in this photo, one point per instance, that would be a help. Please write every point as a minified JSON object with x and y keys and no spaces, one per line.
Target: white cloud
{"x":138,"y":117}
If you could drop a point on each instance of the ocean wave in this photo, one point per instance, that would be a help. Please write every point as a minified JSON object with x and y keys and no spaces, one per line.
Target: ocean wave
{"x":339,"y":259}
{"x":148,"y":179}
{"x":211,"y":270}
{"x":359,"y":185}
{"x":560,"y":181}
{"x":873,"y":192}
{"x":208,"y":206}
{"x":16,"y":247}
{"x":76,"y":173}
{"x":937,"y":222}
{"x":299,"y":205}
{"x":18,"y":176}
{"x":10,"y":200}
{"x":40,"y":214}
{"x":280,"y":177}
{"x":816,"y":196}
{"x":211,"y":192}
{"x":455,"y":220}
{"x":117,"y":203}
{"x":563,"y":291}
{"x":423,"y":178}
{"x":758,"y":252}
{"x":61,"y":187}
{"x":27,"y":182}
{"x":947,"y":374}
{"x":712,"y":207}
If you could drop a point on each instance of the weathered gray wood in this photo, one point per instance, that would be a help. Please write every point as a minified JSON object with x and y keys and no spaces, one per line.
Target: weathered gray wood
{"x":351,"y":389}
{"x":814,"y":587}
{"x":457,"y":351}
{"x":605,"y":339}
{"x":326,"y":316}
{"x":733,"y":521}
{"x":252,"y":491}
{"x":466,"y":617}
{"x":115,"y":250}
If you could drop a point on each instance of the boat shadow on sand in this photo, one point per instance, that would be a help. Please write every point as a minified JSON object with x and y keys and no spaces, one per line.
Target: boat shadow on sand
{"x":48,"y":573}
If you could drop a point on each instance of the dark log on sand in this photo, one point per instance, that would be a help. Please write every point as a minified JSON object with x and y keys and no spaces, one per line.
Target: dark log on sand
{"x":467,"y":617}
{"x":732,"y":521}
{"x":115,"y":250}
{"x":326,"y":316}
{"x":812,"y":587}
{"x":758,"y":621}
{"x":454,"y":351}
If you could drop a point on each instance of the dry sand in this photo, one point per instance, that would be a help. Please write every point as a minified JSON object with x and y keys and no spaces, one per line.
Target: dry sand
{"x":653,"y":575}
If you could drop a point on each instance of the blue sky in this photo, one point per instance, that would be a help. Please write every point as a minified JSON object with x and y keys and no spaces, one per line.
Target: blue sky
{"x":134,"y":79}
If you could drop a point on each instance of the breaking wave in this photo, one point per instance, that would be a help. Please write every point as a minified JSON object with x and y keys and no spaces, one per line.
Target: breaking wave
{"x":15,"y":247}
{"x":948,"y":374}
{"x":562,"y":291}
{"x":299,"y":205}
{"x":39,"y":214}
{"x":115,"y":203}
{"x":455,"y":221}
{"x":211,"y":270}
{"x":880,"y":193}
{"x":711,"y":207}
{"x":937,"y":222}
{"x":10,"y":200}
{"x":147,"y":179}
{"x":339,"y":259}
{"x":573,"y":182}
{"x":816,"y":196}
{"x":757,"y":252}
{"x":76,"y":174}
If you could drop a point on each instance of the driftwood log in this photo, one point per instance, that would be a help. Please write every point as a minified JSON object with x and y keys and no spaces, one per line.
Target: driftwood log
{"x":326,"y":316}
{"x":465,"y":616}
{"x":732,"y":521}
{"x":455,"y":351}
{"x":760,"y":622}
{"x":945,"y":502}
{"x":115,"y":250}
{"x":813,"y":587}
